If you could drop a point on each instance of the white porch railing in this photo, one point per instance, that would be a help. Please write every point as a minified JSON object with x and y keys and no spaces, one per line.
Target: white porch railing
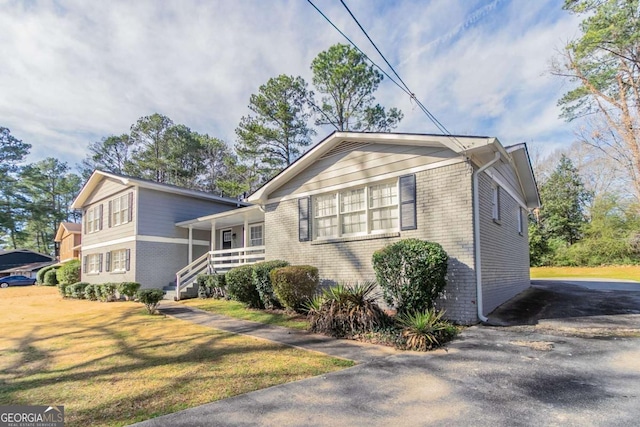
{"x":217,"y":262}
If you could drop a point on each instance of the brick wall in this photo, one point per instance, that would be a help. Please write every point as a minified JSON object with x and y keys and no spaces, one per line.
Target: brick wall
{"x":444,"y":215}
{"x":505,"y":252}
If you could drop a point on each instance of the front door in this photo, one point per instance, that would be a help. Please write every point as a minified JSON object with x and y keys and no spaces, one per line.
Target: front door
{"x":226,"y":239}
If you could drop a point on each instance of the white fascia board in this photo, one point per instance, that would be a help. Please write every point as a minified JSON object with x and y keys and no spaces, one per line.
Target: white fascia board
{"x":225,"y":214}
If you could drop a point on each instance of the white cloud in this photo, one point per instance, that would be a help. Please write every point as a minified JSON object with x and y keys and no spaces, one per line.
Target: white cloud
{"x":76,"y":71}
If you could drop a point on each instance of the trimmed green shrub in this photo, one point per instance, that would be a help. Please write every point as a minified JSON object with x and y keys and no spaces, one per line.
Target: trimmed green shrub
{"x":150,"y":298}
{"x":69,"y":272}
{"x":50,"y":278}
{"x":240,"y":286}
{"x":91,"y":292}
{"x":76,"y":290}
{"x":106,"y":292}
{"x":42,"y":272}
{"x":128,"y":289}
{"x":62,"y":289}
{"x":412,"y":274}
{"x":425,"y":330}
{"x":262,"y":282}
{"x":294,"y":285}
{"x":346,"y":310}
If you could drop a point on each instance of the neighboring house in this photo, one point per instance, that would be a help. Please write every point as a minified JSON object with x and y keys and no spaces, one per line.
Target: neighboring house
{"x":68,"y":239}
{"x":23,"y":261}
{"x":129,"y":231}
{"x":354,"y":193}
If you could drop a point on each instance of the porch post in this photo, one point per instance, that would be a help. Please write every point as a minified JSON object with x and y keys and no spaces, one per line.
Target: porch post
{"x":190,"y":244}
{"x":213,"y":235}
{"x":246,"y":237}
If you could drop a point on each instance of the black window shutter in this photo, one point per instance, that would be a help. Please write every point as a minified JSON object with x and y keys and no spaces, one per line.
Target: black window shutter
{"x":109,"y":213}
{"x":100,"y":263}
{"x":408,"y":203}
{"x":84,"y":220}
{"x":100,"y":210}
{"x":128,"y":260}
{"x":85,"y":262}
{"x":304,"y":229}
{"x":130,"y":206}
{"x":107,"y":265}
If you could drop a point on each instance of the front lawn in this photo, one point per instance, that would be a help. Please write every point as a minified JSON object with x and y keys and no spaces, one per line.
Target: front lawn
{"x":237,"y":309}
{"x":111,"y":364}
{"x":628,"y":272}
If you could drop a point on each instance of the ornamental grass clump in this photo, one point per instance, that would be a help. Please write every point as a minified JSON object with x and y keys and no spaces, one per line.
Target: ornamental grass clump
{"x":426,"y":330}
{"x":346,"y":310}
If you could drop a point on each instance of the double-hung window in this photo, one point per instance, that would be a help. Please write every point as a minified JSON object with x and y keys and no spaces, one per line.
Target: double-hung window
{"x":93,"y":219}
{"x":356,"y":211}
{"x":120,"y":210}
{"x":256,"y":235}
{"x":93,"y":263}
{"x":119,"y":260}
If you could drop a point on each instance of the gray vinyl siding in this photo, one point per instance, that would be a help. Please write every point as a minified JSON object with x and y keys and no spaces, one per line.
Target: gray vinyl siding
{"x":159,"y":212}
{"x":115,"y":231}
{"x":444,"y":215}
{"x":507,"y":173}
{"x":157,"y":263}
{"x":504,"y":252}
{"x":109,"y":276}
{"x":365,"y":162}
{"x":106,"y":189}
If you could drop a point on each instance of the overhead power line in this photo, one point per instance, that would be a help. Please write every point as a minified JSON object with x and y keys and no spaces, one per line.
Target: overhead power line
{"x":404,"y":87}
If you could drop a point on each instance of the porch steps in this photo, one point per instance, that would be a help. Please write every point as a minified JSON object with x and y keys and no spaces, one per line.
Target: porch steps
{"x":189,"y":291}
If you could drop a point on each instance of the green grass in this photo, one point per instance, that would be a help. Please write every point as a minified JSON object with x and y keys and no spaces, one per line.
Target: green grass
{"x":237,"y":310}
{"x":111,"y":364}
{"x":627,"y":272}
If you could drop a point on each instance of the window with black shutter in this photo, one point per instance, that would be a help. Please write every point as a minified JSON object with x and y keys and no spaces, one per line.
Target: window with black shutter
{"x":408,"y":203}
{"x":304,"y":208}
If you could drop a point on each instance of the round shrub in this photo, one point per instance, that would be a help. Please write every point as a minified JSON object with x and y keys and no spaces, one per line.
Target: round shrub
{"x":76,"y":290}
{"x":42,"y":272}
{"x":128,"y":289}
{"x":240,"y":286}
{"x":91,"y":292}
{"x":294,"y":285}
{"x":262,"y":282}
{"x":62,"y":289}
{"x":50,"y":278}
{"x":150,"y":298}
{"x":412,"y":274}
{"x":69,"y":272}
{"x":106,"y":292}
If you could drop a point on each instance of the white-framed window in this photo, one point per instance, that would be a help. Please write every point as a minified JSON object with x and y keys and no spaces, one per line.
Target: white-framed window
{"x":356,"y":211}
{"x":93,"y":263}
{"x":93,"y":219}
{"x":256,"y":235}
{"x":120,"y":210}
{"x":520,"y":221}
{"x":119,"y":260}
{"x":495,"y":203}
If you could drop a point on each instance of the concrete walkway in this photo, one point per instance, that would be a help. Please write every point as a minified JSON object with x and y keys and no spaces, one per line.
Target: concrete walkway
{"x":526,"y":375}
{"x":346,"y":349}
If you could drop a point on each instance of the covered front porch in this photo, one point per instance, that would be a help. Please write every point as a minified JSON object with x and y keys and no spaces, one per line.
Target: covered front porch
{"x":235,"y":238}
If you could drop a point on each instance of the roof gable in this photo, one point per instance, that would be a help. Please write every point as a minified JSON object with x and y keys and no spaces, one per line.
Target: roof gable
{"x":98,"y":176}
{"x":68,"y":228}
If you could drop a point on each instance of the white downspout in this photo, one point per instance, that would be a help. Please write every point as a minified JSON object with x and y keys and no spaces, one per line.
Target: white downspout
{"x":476,"y":231}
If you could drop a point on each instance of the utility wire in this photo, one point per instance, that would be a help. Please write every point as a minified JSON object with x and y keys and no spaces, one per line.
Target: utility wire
{"x":404,"y":87}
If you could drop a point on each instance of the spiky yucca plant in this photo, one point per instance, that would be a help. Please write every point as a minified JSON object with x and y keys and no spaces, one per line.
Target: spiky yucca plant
{"x":346,"y":309}
{"x":425,"y":330}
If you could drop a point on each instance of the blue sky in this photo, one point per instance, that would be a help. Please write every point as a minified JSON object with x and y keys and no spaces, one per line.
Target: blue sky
{"x":75,"y":71}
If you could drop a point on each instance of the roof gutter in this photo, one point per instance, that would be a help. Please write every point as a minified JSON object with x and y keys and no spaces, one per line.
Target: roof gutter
{"x":476,"y":231}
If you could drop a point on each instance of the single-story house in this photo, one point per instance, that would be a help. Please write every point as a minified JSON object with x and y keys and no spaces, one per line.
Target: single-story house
{"x":23,"y":262}
{"x":68,"y":239}
{"x":129,"y":232}
{"x":354,"y":193}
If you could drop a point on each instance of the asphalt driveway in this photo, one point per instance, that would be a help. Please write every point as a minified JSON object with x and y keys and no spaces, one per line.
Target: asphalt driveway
{"x":549,"y":368}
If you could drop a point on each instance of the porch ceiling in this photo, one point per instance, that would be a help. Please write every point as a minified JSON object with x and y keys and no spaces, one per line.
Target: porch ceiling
{"x":250,"y":214}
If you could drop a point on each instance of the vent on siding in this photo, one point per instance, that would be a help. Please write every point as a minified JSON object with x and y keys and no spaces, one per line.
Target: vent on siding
{"x":344,"y":147}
